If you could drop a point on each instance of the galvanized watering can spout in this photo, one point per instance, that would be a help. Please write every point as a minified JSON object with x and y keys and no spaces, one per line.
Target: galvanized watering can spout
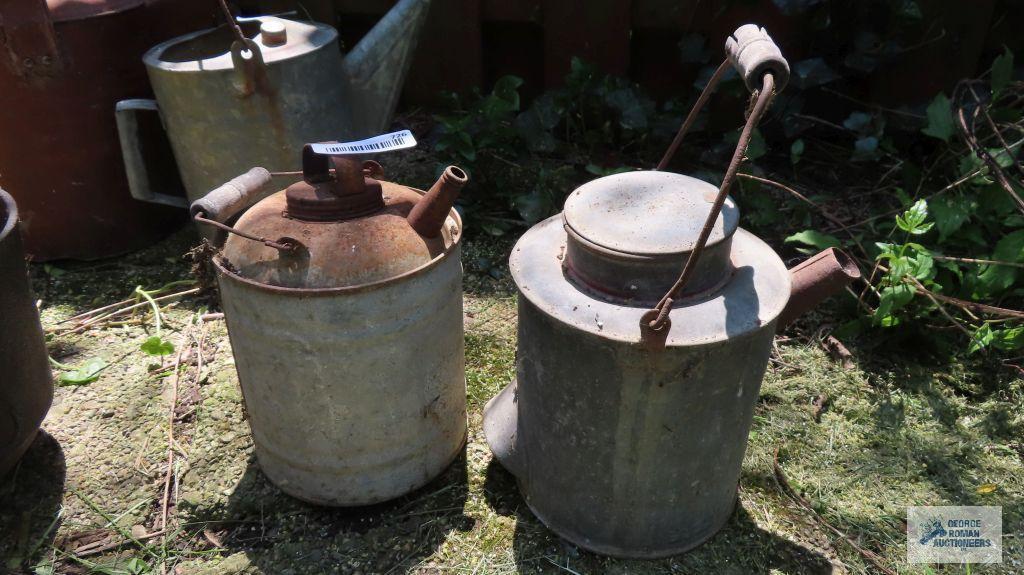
{"x":815,"y":280}
{"x":379,"y":61}
{"x":429,"y":214}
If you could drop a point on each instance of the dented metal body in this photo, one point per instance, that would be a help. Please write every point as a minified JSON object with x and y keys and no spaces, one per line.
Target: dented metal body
{"x":27,"y":386}
{"x":346,"y":327}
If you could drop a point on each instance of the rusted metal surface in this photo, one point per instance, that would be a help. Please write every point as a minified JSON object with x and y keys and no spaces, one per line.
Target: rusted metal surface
{"x":329,"y":196}
{"x":816,"y":279}
{"x":347,"y":403}
{"x":79,"y":207}
{"x":27,"y":387}
{"x":428,"y":216}
{"x":350,"y":229}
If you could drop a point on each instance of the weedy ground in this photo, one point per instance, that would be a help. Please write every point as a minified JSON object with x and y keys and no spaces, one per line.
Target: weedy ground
{"x":858,"y":443}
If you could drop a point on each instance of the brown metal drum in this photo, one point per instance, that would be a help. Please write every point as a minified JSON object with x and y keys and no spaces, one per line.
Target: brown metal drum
{"x":59,"y":152}
{"x":26,"y":386}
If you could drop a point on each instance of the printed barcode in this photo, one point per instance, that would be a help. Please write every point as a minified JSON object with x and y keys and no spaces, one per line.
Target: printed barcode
{"x":383,"y":143}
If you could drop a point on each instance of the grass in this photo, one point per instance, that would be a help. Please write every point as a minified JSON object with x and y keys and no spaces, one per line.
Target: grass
{"x":899,"y":430}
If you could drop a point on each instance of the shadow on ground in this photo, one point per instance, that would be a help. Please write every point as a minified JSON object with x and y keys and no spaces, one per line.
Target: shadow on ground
{"x":741,"y":547}
{"x":30,"y":501}
{"x":282,"y":535}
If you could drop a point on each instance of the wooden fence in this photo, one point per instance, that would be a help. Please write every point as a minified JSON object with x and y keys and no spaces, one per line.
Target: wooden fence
{"x":470,"y":43}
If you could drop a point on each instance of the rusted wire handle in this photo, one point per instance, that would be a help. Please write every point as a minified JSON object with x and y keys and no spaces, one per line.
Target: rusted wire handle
{"x":760,"y":63}
{"x":763,"y":98}
{"x":284,"y":245}
{"x":232,"y":23}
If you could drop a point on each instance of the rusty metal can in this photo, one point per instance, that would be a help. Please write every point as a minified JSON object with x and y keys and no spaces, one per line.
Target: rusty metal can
{"x":27,"y":388}
{"x":343,"y":302}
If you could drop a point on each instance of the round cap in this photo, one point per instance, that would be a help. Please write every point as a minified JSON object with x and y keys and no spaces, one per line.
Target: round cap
{"x":647,"y":213}
{"x":630,"y":234}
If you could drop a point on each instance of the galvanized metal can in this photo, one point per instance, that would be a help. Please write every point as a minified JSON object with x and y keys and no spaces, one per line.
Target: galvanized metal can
{"x":346,"y":327}
{"x":620,"y":447}
{"x":27,"y":388}
{"x":228,"y":106}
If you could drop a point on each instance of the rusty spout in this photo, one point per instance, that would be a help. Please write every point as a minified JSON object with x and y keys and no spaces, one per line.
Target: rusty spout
{"x":428,"y":215}
{"x":815,"y":279}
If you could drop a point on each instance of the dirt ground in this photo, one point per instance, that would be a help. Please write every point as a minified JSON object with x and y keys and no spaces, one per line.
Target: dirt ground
{"x":894,"y":430}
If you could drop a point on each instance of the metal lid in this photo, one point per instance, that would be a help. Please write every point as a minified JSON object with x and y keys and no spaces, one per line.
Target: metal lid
{"x":210,"y":49}
{"x":754,"y":294}
{"x":647,"y":213}
{"x":630,"y":234}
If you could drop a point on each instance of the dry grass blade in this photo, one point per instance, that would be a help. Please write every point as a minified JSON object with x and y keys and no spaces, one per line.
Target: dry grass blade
{"x":784,"y":486}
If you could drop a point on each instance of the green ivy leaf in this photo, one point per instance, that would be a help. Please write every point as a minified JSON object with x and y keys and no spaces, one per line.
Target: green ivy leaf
{"x":913,"y":220}
{"x":157,"y":346}
{"x":940,"y":119}
{"x":858,"y":122}
{"x":950,"y":213}
{"x":981,"y":338}
{"x":813,"y":72}
{"x":865,"y":148}
{"x":909,"y":9}
{"x":922,"y":266}
{"x":758,"y":146}
{"x":892,"y":298}
{"x":796,"y":151}
{"x":1002,"y":71}
{"x":1009,"y":339}
{"x":995,"y":278}
{"x":814,"y":239}
{"x":87,"y":373}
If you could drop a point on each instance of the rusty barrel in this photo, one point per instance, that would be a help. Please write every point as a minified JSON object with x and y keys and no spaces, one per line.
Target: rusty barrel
{"x":65,"y":66}
{"x":27,"y":385}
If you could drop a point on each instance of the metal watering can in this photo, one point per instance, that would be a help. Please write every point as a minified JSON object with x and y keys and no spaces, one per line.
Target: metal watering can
{"x":343,"y":301}
{"x":27,"y":388}
{"x":626,"y":424}
{"x":250,"y":94}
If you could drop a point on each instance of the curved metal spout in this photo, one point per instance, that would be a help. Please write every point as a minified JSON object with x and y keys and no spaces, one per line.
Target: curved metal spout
{"x":816,"y":279}
{"x":428,"y":215}
{"x":377,"y":66}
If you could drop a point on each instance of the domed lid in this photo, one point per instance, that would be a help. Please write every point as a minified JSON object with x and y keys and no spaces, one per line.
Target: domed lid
{"x":344,"y":228}
{"x":630,"y":234}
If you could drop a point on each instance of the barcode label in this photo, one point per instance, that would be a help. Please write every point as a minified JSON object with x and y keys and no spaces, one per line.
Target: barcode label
{"x":383,"y":143}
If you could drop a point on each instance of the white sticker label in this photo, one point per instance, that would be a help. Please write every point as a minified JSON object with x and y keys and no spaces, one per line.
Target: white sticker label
{"x":383,"y":143}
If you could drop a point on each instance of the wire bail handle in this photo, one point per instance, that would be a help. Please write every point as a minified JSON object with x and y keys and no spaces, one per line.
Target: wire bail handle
{"x":758,"y":60}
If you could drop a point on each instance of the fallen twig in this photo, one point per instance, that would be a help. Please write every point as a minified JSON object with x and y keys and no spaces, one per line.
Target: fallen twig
{"x":93,"y":321}
{"x":780,"y":478}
